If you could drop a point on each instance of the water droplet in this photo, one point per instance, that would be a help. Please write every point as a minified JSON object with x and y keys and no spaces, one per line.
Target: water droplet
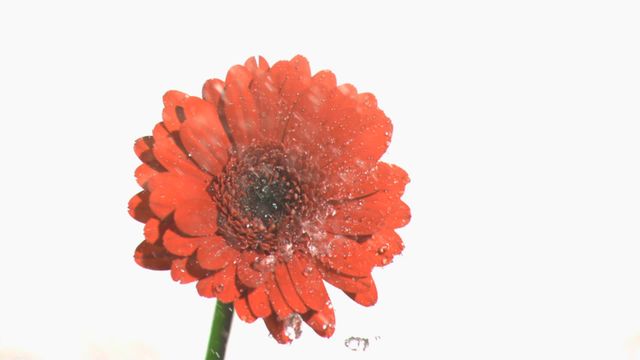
{"x":383,"y":249}
{"x":292,"y":326}
{"x":356,"y":343}
{"x":219,"y":288}
{"x":307,"y":270}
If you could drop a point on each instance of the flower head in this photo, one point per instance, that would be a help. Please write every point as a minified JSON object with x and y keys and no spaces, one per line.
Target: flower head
{"x":267,"y":187}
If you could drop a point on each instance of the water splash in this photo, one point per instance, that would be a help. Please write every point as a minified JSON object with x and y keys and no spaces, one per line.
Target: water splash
{"x":356,"y":343}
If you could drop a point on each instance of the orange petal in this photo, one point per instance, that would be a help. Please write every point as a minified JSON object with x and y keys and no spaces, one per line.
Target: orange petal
{"x":152,"y":230}
{"x":256,"y":67}
{"x":143,"y":149}
{"x":277,"y":329}
{"x":153,"y":256}
{"x":180,"y":245}
{"x":197,"y":217}
{"x":308,"y":282}
{"x":143,"y":173}
{"x":368,"y":215}
{"x":168,"y":190}
{"x":345,"y":256}
{"x":139,"y":207}
{"x":203,"y":135}
{"x":346,"y":283}
{"x":214,"y":253}
{"x":259,"y":302}
{"x":366,"y":298}
{"x":242,"y":309}
{"x":239,"y":106}
{"x":173,"y":112}
{"x":352,"y":180}
{"x":323,"y":322}
{"x":249,"y":276}
{"x":383,"y":246}
{"x":180,"y":273}
{"x":279,"y":305}
{"x":172,"y":157}
{"x":221,"y":285}
{"x":288,"y":290}
{"x":212,"y":91}
{"x":306,"y":125}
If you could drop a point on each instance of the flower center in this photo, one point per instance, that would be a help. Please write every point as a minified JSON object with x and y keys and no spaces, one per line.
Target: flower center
{"x":264,"y":195}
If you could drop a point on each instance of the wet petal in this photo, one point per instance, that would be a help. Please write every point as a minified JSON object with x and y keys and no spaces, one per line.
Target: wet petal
{"x":242,"y":309}
{"x":203,"y":135}
{"x":383,"y":246}
{"x":368,"y":215}
{"x":323,"y":322}
{"x":139,"y":207}
{"x":345,"y":256}
{"x":247,"y":274}
{"x":197,"y":217}
{"x":277,"y":329}
{"x":153,"y":256}
{"x":143,"y":147}
{"x":221,"y":285}
{"x":346,"y":283}
{"x":214,"y":253}
{"x":288,"y":290}
{"x":143,"y":173}
{"x":172,"y":157}
{"x":279,"y":305}
{"x":308,"y":282}
{"x":152,"y":230}
{"x":180,"y":245}
{"x":259,"y":302}
{"x":173,"y":112}
{"x":366,"y":298}
{"x":180,"y":273}
{"x":239,"y":106}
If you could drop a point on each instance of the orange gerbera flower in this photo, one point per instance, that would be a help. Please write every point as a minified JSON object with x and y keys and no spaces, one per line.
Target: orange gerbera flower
{"x":267,"y":187}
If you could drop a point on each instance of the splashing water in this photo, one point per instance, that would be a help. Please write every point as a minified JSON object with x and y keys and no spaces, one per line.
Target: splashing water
{"x":356,"y":343}
{"x":292,"y":326}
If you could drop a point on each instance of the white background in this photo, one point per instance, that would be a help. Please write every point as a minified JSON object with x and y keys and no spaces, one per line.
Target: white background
{"x":517,"y":122}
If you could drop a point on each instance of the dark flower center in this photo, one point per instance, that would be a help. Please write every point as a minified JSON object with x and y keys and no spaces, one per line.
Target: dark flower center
{"x":265,"y":194}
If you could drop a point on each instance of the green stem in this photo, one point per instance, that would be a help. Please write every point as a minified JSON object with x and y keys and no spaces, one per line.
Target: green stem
{"x":220,"y":329}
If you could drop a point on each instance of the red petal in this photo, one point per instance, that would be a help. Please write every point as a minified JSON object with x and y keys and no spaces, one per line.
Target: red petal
{"x":353,"y":181}
{"x":345,"y":256}
{"x":173,"y":158}
{"x":277,"y":329}
{"x":306,"y":125}
{"x":346,"y":283}
{"x":180,"y":273}
{"x":214,"y":253}
{"x":152,"y":230}
{"x":169,"y":190}
{"x":221,"y":285}
{"x":197,"y":217}
{"x":173,"y":112}
{"x":308,"y":282}
{"x":153,"y":256}
{"x":288,"y":290}
{"x":323,"y":322}
{"x":143,"y":149}
{"x":383,"y":246}
{"x":212,"y":91}
{"x":242,"y":309}
{"x":368,"y":215}
{"x":256,"y":67}
{"x":203,"y":135}
{"x":139,"y":207}
{"x":180,"y":245}
{"x":278,"y":303}
{"x":246,"y":273}
{"x":259,"y":302}
{"x":366,"y":298}
{"x":143,"y":173}
{"x":239,"y":106}
{"x":276,"y":91}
